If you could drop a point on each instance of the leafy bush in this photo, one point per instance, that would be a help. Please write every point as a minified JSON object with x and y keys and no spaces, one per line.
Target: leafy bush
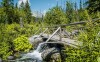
{"x":22,"y":44}
{"x":55,"y":16}
{"x":90,"y":51}
{"x":9,"y":32}
{"x":4,"y":50}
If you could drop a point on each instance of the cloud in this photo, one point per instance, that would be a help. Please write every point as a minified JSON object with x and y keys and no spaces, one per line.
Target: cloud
{"x":20,"y":1}
{"x":44,"y":12}
{"x":39,"y":14}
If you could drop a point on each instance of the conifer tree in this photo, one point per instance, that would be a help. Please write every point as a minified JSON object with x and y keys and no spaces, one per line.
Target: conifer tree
{"x":69,"y":11}
{"x":28,"y":12}
{"x":80,"y":4}
{"x":8,"y":6}
{"x":93,"y":5}
{"x":16,"y":5}
{"x":55,"y":16}
{"x":22,"y":6}
{"x":16,"y":14}
{"x":75,"y":6}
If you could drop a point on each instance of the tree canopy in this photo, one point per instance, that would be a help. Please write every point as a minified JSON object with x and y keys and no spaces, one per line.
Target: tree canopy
{"x":93,"y":5}
{"x":55,"y":16}
{"x":17,"y":24}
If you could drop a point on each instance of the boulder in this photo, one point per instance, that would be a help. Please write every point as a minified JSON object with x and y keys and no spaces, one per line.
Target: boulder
{"x":46,"y":54}
{"x":10,"y":57}
{"x":0,"y":60}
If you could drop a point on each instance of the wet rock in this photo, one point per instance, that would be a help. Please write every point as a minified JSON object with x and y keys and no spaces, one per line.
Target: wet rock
{"x":10,"y":57}
{"x":35,"y":40}
{"x":31,"y":39}
{"x":56,"y":57}
{"x":46,"y":54}
{"x":0,"y":60}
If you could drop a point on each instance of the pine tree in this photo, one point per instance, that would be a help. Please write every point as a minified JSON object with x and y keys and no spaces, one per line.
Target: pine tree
{"x":69,"y":6}
{"x":75,"y":6}
{"x":22,"y":6}
{"x":8,"y":6}
{"x":93,"y":5}
{"x":2,"y":15}
{"x":69,"y":11}
{"x":16,"y":14}
{"x":55,"y":16}
{"x":80,"y":4}
{"x":16,"y":5}
{"x":28,"y":12}
{"x":0,"y":5}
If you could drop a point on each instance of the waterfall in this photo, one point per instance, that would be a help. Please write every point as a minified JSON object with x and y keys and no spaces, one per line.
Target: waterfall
{"x":35,"y":55}
{"x":39,"y":48}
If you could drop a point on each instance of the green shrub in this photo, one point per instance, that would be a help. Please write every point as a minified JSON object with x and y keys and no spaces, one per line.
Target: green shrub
{"x":9,"y":32}
{"x":4,"y":50}
{"x":90,"y":51}
{"x":22,"y":44}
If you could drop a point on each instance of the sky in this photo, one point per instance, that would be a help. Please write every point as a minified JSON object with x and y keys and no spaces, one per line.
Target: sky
{"x":43,"y":5}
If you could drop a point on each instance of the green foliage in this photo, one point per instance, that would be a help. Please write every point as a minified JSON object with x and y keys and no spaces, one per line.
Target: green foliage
{"x":9,"y":32}
{"x":83,"y":15}
{"x":22,"y":44}
{"x":69,"y":11}
{"x":98,"y":59}
{"x":2,"y":16}
{"x":28,"y":12}
{"x":55,"y":16}
{"x":72,"y":12}
{"x":9,"y":10}
{"x":93,"y":5}
{"x":9,"y":13}
{"x":13,"y":41}
{"x":90,"y":36}
{"x":25,"y":12}
{"x":4,"y":50}
{"x":69,"y":6}
{"x":90,"y":51}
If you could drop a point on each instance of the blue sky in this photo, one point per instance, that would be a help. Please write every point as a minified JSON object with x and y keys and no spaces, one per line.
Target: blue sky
{"x":44,"y":5}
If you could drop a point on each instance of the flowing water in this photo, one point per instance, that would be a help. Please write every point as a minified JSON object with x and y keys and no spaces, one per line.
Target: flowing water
{"x":34,"y":56}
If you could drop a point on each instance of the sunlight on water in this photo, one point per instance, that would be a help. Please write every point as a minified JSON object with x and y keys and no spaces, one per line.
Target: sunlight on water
{"x":35,"y":55}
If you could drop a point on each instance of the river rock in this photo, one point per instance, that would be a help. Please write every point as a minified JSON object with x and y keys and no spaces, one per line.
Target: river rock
{"x":0,"y":60}
{"x":48,"y":52}
{"x":35,"y":39}
{"x":10,"y":57}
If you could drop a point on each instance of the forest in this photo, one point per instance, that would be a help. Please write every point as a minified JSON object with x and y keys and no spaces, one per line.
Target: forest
{"x":17,"y":24}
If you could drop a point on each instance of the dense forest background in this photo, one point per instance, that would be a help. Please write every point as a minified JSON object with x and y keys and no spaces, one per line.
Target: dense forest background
{"x":17,"y":24}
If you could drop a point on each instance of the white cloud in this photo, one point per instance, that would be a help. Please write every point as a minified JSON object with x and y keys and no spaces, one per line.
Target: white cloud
{"x":20,"y":1}
{"x":44,"y":12}
{"x":39,"y":14}
{"x":34,"y":14}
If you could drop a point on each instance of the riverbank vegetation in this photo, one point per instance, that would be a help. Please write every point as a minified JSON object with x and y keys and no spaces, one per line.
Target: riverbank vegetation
{"x":17,"y":24}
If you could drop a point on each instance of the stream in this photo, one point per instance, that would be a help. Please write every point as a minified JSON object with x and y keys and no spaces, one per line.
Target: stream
{"x":32,"y":56}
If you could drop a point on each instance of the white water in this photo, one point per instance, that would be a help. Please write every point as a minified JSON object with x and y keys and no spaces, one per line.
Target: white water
{"x":35,"y":55}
